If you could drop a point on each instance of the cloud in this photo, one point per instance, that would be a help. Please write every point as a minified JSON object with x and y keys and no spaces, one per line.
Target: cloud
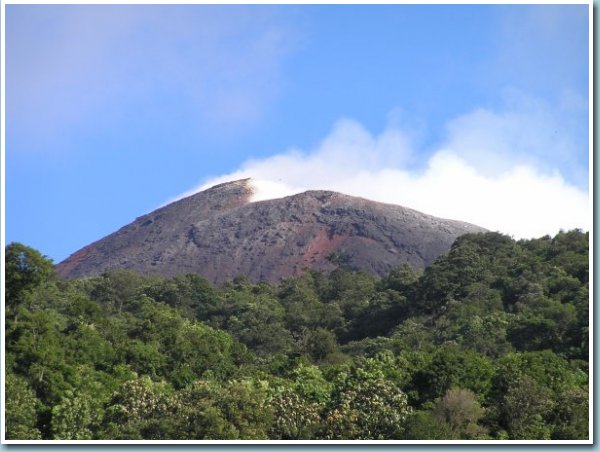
{"x":527,"y":131}
{"x":76,"y":66}
{"x":512,"y":196}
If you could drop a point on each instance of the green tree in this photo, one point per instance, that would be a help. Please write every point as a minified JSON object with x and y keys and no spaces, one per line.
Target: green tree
{"x":401,"y":279}
{"x":140,"y":409}
{"x":294,"y":416}
{"x":21,"y":409}
{"x":459,"y":410}
{"x":452,"y":366}
{"x":76,"y":417}
{"x":25,"y":269}
{"x":308,"y":381}
{"x":526,"y":407}
{"x":571,"y":414}
{"x":371,"y":409}
{"x":319,"y":344}
{"x":206,"y":349}
{"x":116,"y":288}
{"x":365,"y":402}
{"x":237,"y":409}
{"x":259,"y":324}
{"x":422,"y":425}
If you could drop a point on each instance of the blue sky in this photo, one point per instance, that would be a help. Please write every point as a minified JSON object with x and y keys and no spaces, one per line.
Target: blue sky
{"x":478,"y":113}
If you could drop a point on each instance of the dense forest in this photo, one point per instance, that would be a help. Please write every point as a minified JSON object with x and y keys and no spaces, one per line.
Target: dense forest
{"x":489,"y":342}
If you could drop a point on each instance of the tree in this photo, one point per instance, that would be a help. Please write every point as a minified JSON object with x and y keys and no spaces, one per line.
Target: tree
{"x":460,"y":411}
{"x":526,"y":408}
{"x":371,"y":409}
{"x":319,"y":344}
{"x":140,"y":409}
{"x":125,"y":356}
{"x":26,"y":268}
{"x":308,"y":382}
{"x":422,"y":425}
{"x":192,"y":293}
{"x":115,"y":288}
{"x":21,"y":409}
{"x":238,"y":409}
{"x":294,"y":416}
{"x":571,"y":414}
{"x":453,"y":366}
{"x":400,"y":279}
{"x":75,"y":418}
{"x":570,"y":251}
{"x":259,"y":324}
{"x":366,"y":403}
{"x":205,"y":349}
{"x":385,"y":310}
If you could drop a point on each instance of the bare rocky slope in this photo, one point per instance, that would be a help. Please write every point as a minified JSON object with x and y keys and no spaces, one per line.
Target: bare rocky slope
{"x":220,"y":234}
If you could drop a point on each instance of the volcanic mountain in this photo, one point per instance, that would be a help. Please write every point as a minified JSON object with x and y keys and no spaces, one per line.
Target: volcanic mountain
{"x":221,"y":233}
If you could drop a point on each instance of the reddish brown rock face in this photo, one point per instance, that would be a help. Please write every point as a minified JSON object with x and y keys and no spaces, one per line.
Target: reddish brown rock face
{"x":220,"y":234}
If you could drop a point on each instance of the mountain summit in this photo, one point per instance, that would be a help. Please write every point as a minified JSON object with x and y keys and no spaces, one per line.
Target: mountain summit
{"x":221,"y":233}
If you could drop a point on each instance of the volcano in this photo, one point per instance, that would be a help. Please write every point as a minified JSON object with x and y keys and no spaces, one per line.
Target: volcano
{"x":221,"y":233}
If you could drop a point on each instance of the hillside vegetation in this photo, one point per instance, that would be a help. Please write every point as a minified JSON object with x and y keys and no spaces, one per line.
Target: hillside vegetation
{"x":489,"y":342}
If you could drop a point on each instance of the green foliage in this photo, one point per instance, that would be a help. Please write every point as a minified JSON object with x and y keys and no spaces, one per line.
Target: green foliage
{"x":368,"y":409}
{"x":459,"y":413}
{"x":423,"y":425}
{"x":571,"y":414}
{"x":21,"y":409}
{"x":450,"y":367}
{"x":308,"y":381}
{"x":526,"y":408}
{"x":238,"y":409}
{"x":75,"y":417}
{"x":400,"y":279}
{"x":319,"y":344}
{"x":491,"y":341}
{"x":116,"y":288}
{"x":140,"y":409}
{"x":25,"y":270}
{"x":295,"y":417}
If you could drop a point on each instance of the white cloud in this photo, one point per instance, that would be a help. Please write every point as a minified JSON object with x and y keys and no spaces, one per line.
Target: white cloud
{"x":528,"y":131}
{"x":514,"y":198}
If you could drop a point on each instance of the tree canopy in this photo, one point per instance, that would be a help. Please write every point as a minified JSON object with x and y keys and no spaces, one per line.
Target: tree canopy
{"x":489,"y":342}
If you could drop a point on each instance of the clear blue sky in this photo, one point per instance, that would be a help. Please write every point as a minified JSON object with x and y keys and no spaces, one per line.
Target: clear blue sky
{"x":113,"y":110}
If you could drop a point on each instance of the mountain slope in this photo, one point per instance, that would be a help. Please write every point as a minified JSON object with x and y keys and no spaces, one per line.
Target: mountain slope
{"x":220,"y":233}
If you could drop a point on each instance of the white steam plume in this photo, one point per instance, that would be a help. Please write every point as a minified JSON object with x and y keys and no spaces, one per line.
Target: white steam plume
{"x":518,"y":199}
